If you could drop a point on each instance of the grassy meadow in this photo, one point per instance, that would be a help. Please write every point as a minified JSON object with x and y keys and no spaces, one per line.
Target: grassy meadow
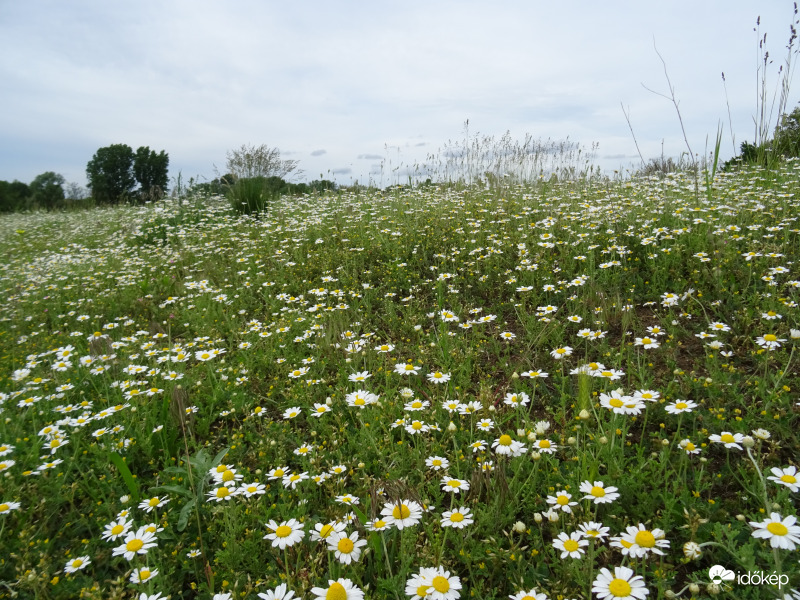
{"x":574,"y":390}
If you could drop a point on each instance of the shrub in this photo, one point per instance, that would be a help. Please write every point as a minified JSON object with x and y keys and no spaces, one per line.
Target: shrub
{"x":252,"y":195}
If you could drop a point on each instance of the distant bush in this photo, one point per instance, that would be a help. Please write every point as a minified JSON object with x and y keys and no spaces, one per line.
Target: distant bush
{"x":252,"y":195}
{"x":659,"y":166}
{"x":785,"y":143}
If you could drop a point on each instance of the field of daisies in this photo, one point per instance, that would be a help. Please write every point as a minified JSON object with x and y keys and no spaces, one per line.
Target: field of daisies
{"x":583,"y":390}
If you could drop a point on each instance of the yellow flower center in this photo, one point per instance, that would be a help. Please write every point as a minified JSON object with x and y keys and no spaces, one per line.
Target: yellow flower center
{"x":416,"y":404}
{"x":681,"y":405}
{"x":401,"y":512}
{"x":416,"y":425}
{"x":647,"y":341}
{"x":619,"y":588}
{"x":440,"y":584}
{"x":359,"y":401}
{"x":727,"y":438}
{"x":336,"y":592}
{"x":777,"y":529}
{"x":606,"y":373}
{"x":454,"y":483}
{"x":615,"y":402}
{"x":223,"y":492}
{"x":117,"y":529}
{"x":625,"y":543}
{"x":788,"y":479}
{"x":283,"y":531}
{"x":505,"y":440}
{"x":144,"y":574}
{"x":325,"y":531}
{"x":770,"y":338}
{"x":570,"y":545}
{"x":456,"y":517}
{"x":294,"y":477}
{"x":154,"y":501}
{"x":77,"y":563}
{"x":134,"y":545}
{"x":560,"y":351}
{"x":645,"y":539}
{"x":562,"y":500}
{"x":690,"y":446}
{"x":597,"y":491}
{"x":345,"y":545}
{"x":221,"y":469}
{"x":279,"y":472}
{"x":422,"y":591}
{"x":438,"y":463}
{"x":544,"y":444}
{"x":379,"y":523}
{"x":593,"y":532}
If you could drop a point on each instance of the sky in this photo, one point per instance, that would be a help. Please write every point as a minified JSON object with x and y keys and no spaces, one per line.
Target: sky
{"x":362,"y":91}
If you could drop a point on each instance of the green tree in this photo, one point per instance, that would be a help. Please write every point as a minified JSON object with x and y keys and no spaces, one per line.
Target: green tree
{"x":47,"y":190}
{"x":110,"y":173}
{"x":14,"y":196}
{"x":150,"y":170}
{"x":786,"y":140}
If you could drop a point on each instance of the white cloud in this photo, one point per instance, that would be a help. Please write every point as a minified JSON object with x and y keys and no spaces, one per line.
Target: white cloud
{"x":199,"y":78}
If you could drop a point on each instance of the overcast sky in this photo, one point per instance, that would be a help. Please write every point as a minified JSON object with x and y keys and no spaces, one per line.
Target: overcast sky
{"x":339,"y":86}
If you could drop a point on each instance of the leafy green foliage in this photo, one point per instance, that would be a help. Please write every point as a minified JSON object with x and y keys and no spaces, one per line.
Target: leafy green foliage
{"x":115,"y":170}
{"x":47,"y":190}
{"x":110,"y":173}
{"x":150,"y":170}
{"x":14,"y":196}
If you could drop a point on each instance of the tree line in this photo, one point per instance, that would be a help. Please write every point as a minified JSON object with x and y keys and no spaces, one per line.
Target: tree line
{"x":115,"y":174}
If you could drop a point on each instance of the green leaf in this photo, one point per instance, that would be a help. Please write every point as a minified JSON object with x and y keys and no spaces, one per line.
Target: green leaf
{"x":123,"y":469}
{"x":375,"y":543}
{"x":218,"y":458}
{"x":175,"y":489}
{"x":183,"y":518}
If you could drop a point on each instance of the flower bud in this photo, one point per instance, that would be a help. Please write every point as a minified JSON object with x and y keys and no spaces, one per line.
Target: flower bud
{"x":692,"y":550}
{"x":451,"y":427}
{"x":713,"y":589}
{"x":748,"y":441}
{"x":519,"y":527}
{"x":694,"y":588}
{"x":603,"y":439}
{"x":537,"y":517}
{"x":572,"y":441}
{"x":520,"y":432}
{"x":584,"y":415}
